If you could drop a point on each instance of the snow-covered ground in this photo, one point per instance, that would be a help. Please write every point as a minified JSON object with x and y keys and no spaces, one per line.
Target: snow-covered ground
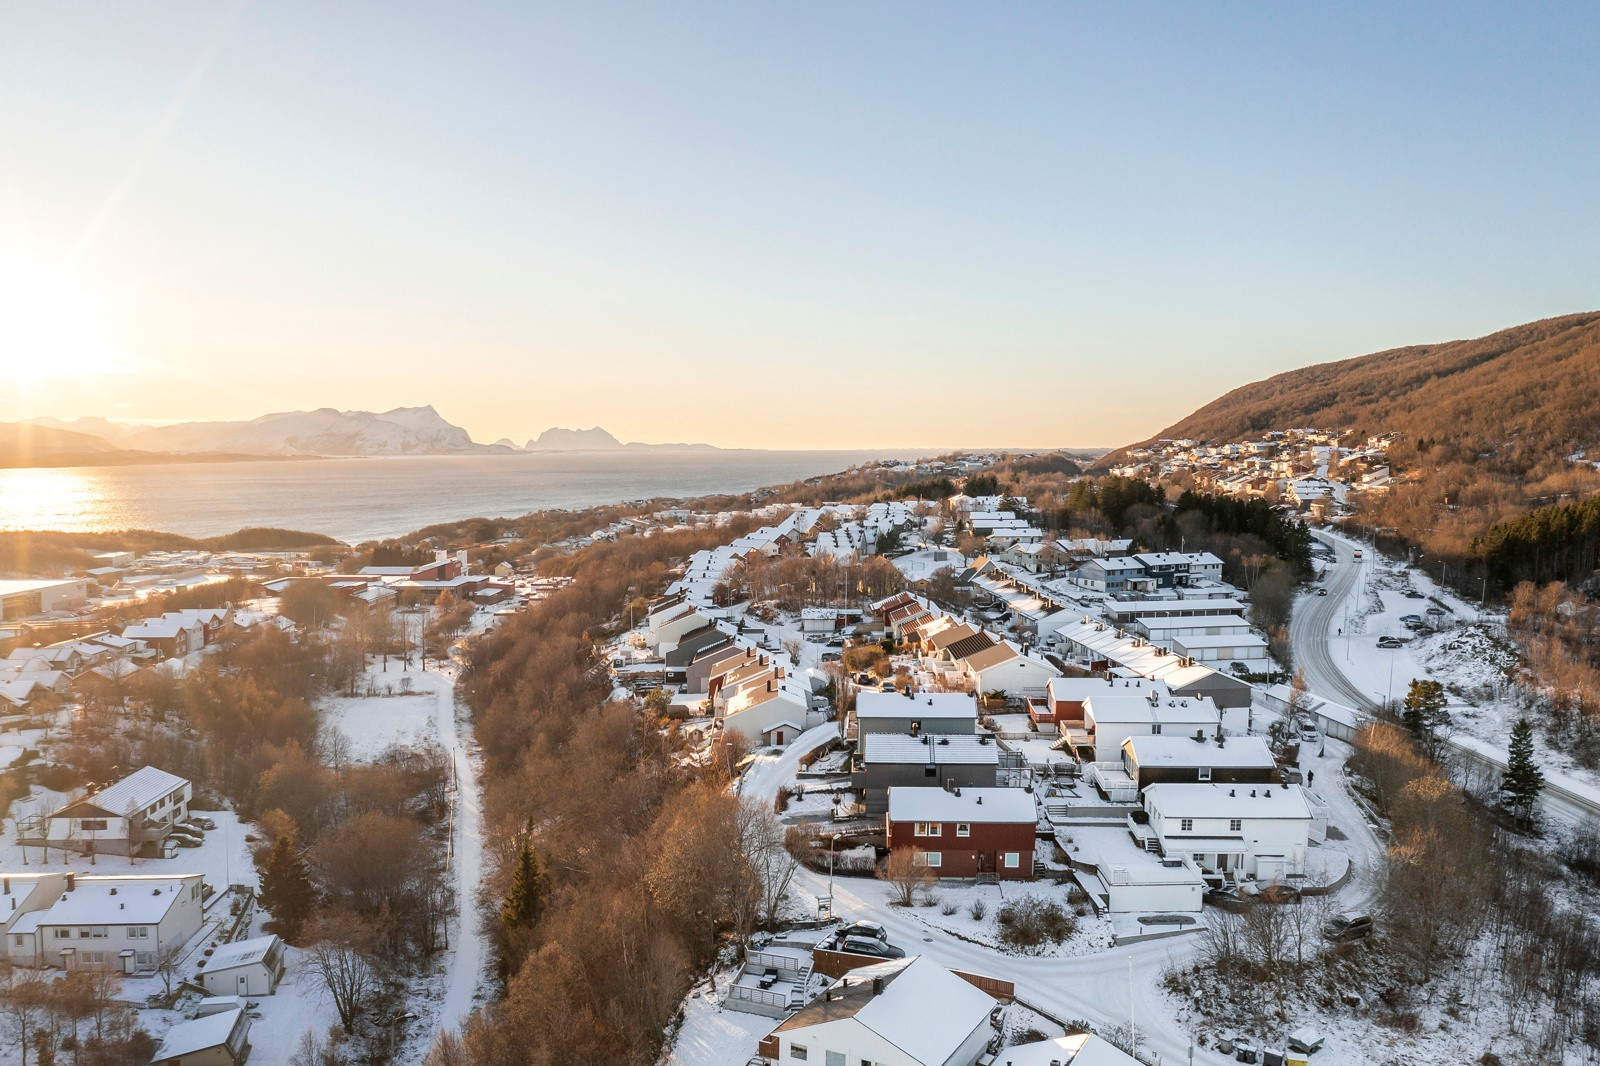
{"x":404,"y":713}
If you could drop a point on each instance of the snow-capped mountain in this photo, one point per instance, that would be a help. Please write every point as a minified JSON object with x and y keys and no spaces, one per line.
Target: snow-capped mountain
{"x":325,"y":431}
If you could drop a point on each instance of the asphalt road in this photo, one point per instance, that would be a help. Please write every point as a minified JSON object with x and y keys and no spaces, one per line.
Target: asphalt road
{"x":1310,"y":632}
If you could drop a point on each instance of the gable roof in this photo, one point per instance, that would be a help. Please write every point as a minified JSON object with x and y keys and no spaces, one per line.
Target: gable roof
{"x":921,"y":705}
{"x":923,"y":1009}
{"x":190,"y":1038}
{"x":1008,"y":806}
{"x":137,"y":791}
{"x":970,"y":645}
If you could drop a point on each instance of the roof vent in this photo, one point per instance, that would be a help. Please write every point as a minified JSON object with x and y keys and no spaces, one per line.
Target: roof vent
{"x":1269,"y":793}
{"x":1233,"y":792}
{"x":980,"y":799}
{"x":113,"y":890}
{"x":944,"y":740}
{"x":1252,"y":793}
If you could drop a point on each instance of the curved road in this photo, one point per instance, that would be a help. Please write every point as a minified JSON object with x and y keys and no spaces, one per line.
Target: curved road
{"x":1311,"y":630}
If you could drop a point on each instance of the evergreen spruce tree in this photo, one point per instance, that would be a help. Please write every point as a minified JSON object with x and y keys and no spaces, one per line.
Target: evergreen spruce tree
{"x":1522,"y":781}
{"x":524,"y":904}
{"x":286,"y":889}
{"x":529,"y":891}
{"x":1423,"y":712}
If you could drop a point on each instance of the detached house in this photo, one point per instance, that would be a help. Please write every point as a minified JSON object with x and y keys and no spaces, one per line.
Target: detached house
{"x":914,"y":714}
{"x":131,"y":817}
{"x":908,"y":1012}
{"x":245,"y":967}
{"x":1236,"y":831}
{"x":965,"y":832}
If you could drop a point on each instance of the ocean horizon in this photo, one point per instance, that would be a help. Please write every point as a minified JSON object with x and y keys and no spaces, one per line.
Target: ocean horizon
{"x":368,"y":498}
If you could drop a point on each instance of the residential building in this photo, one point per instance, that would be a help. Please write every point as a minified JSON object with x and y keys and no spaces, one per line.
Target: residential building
{"x":1108,"y":720}
{"x":97,"y":922}
{"x":906,"y":1012}
{"x":965,"y":832}
{"x":1079,"y":1049}
{"x":914,"y":714}
{"x":939,"y":760}
{"x":1237,"y":831}
{"x":131,"y":817}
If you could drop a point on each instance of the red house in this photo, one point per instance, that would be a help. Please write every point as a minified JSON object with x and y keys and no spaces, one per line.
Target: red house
{"x":965,"y":832}
{"x":1062,"y":706}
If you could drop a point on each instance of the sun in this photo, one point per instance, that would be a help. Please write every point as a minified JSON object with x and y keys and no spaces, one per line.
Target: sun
{"x":50,"y":327}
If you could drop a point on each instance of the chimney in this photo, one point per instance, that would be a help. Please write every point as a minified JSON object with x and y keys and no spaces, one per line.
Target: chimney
{"x":72,"y":881}
{"x":877,"y":986}
{"x":6,"y":888}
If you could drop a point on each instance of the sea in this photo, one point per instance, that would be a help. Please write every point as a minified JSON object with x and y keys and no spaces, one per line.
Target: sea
{"x":373,"y":498}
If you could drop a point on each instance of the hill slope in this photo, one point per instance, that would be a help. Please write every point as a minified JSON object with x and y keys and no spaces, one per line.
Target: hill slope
{"x":24,"y":444}
{"x":1528,"y":394}
{"x":325,"y":431}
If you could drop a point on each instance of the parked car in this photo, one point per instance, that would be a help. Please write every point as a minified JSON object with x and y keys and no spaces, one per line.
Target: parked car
{"x":1435,"y":612}
{"x":1352,"y":925}
{"x":868,"y":929}
{"x":1390,"y":642}
{"x":1409,"y":618}
{"x":1309,"y":733}
{"x":830,"y":657}
{"x":1238,"y":668}
{"x":861,"y":945}
{"x":202,"y":822}
{"x":184,"y":840}
{"x":1413,"y":594}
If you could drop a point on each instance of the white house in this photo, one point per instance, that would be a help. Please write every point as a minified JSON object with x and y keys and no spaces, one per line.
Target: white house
{"x":99,"y":922}
{"x":1111,"y":718}
{"x":1241,"y":830}
{"x":772,"y":714}
{"x":132,"y":816}
{"x":1079,"y":1049}
{"x":1003,"y":668}
{"x":245,"y":967}
{"x":907,"y":1012}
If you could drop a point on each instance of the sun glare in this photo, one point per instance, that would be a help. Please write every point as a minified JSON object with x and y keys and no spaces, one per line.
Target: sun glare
{"x":49,"y":327}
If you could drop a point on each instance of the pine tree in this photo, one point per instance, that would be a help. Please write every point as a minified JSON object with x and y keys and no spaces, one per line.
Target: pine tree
{"x":1424,"y":710}
{"x":286,"y":889}
{"x":525,"y":900}
{"x":1522,"y":781}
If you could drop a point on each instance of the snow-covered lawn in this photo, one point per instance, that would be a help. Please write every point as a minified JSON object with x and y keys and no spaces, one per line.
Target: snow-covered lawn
{"x":401,"y":711}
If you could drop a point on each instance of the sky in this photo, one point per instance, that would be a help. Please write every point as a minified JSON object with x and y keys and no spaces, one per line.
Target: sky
{"x":820,"y":225}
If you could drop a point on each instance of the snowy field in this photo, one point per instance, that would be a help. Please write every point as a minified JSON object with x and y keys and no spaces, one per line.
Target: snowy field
{"x":401,"y":710}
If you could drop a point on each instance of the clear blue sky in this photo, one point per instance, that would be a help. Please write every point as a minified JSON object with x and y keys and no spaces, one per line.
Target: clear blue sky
{"x":798,"y":225}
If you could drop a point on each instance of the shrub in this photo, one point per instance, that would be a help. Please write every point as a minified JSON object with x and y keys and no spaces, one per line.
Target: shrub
{"x":977,"y":908}
{"x":1033,"y":922}
{"x":948,"y":907}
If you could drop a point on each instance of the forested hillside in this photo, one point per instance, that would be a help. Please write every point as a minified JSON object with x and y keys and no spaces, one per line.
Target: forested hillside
{"x":1526,"y":395}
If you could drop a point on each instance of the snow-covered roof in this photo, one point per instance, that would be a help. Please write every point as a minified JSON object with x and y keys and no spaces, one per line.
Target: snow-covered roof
{"x":1226,"y":801}
{"x":191,"y":1038}
{"x":241,"y":952}
{"x":135,"y":792}
{"x":946,"y":748}
{"x":1169,"y":751}
{"x":1080,"y":1049}
{"x":923,"y":705}
{"x":924,"y":1010}
{"x":924,"y":804}
{"x":1077,"y":689}
{"x":119,"y":900}
{"x":1139,"y":709}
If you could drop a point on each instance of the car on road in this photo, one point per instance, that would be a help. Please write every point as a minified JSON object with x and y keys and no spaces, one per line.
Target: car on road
{"x":1322,"y":592}
{"x":1390,"y":642}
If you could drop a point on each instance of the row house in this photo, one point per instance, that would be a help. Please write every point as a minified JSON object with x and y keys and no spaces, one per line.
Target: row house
{"x":117,"y":922}
{"x":965,"y":832}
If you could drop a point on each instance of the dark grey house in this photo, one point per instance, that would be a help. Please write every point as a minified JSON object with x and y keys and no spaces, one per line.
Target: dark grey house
{"x":931,"y":759}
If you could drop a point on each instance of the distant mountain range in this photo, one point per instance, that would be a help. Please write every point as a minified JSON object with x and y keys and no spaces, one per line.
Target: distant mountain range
{"x":291,"y":434}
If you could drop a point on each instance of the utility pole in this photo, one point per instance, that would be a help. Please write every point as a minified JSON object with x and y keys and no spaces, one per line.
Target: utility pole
{"x":1133,"y":1034}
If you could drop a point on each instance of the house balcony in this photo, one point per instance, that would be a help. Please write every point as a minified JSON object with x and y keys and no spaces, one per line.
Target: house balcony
{"x":1114,"y":782}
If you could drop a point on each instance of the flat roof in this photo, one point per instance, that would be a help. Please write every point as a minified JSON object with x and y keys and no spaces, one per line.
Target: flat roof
{"x":982,"y":805}
{"x":940,"y":748}
{"x":16,"y":587}
{"x":1227,"y":801}
{"x":917,"y":705}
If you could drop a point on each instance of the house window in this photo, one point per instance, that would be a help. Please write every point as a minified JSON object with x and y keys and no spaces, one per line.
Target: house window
{"x":98,"y":932}
{"x":18,"y":939}
{"x":963,"y":829}
{"x":934,"y":859}
{"x":1186,"y":825}
{"x":83,"y":934}
{"x":144,"y":960}
{"x":1155,"y":730}
{"x":93,"y":823}
{"x":1205,"y":773}
{"x":63,"y":934}
{"x":930,"y":771}
{"x":139,"y":932}
{"x":835,"y":1058}
{"x":926,"y":829}
{"x":797,"y":1052}
{"x":1013,"y":860}
{"x":1235,"y":825}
